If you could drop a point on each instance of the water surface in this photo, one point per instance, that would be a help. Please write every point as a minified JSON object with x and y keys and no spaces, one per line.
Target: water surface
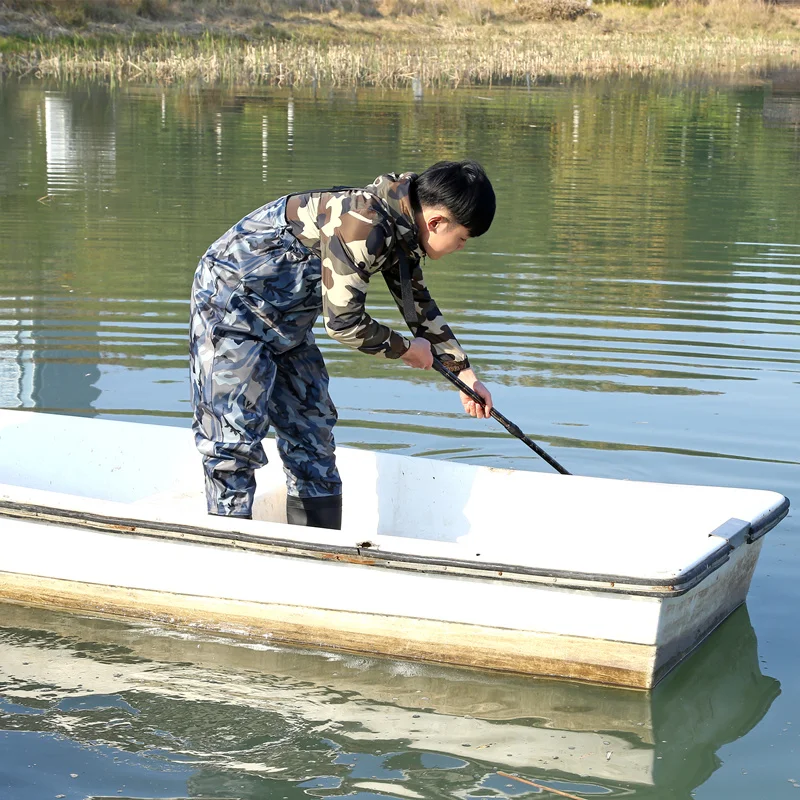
{"x":634,"y":309}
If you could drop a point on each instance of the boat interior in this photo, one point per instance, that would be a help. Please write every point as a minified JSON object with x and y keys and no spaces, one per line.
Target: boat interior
{"x":395,"y":503}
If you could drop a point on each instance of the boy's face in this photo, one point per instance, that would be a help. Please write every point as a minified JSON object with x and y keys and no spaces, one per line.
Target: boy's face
{"x":438,"y":235}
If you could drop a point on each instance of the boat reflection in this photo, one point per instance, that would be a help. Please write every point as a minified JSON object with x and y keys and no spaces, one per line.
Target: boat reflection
{"x":246,"y":714}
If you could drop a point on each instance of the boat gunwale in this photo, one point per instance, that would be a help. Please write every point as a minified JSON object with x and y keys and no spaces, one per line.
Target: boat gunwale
{"x":768,"y":522}
{"x":367,"y":555}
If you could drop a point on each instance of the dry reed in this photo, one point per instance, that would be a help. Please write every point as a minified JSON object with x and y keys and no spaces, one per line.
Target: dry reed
{"x":439,"y":51}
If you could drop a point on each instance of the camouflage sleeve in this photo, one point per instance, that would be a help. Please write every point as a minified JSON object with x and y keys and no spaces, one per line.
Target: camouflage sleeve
{"x":355,"y":238}
{"x":430,"y":323}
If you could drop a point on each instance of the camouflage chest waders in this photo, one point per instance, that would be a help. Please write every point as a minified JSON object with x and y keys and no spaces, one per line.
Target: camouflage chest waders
{"x":254,"y":362}
{"x":257,"y":293}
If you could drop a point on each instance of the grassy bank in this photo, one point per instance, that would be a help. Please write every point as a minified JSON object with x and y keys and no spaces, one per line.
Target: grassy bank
{"x":391,"y":42}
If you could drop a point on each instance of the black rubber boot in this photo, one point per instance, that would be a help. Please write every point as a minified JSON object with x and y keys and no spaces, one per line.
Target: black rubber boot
{"x":316,"y":512}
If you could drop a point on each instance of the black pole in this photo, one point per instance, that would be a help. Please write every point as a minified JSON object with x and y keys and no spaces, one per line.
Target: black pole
{"x":504,"y":421}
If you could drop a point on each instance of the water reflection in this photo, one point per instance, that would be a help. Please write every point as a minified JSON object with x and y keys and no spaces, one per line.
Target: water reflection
{"x":608,"y":304}
{"x":17,"y":367}
{"x":782,"y":104}
{"x":80,"y":146}
{"x":264,"y":148}
{"x":226,"y":718}
{"x":30,"y":375}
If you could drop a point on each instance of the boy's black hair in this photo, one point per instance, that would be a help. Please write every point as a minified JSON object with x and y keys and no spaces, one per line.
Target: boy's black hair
{"x":463,"y":188}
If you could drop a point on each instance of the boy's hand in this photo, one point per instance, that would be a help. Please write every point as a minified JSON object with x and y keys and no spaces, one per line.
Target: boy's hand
{"x":470,"y":406}
{"x":419,"y":355}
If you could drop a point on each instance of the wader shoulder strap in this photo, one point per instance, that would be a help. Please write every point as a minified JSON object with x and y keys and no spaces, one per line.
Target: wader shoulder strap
{"x":406,"y":292}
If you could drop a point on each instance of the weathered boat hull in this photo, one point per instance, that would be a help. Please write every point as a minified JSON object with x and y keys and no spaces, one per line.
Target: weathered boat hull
{"x":235,"y":592}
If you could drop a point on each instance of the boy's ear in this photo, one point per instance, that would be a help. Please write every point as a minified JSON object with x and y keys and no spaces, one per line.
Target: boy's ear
{"x":435,"y":221}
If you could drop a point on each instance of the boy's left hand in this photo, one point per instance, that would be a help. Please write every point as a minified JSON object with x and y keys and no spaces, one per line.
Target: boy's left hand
{"x":470,"y":406}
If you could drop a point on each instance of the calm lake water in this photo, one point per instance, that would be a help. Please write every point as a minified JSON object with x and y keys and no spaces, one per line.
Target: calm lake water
{"x":635,"y":309}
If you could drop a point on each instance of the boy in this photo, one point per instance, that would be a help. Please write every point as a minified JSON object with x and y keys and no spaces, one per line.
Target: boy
{"x":257,"y":293}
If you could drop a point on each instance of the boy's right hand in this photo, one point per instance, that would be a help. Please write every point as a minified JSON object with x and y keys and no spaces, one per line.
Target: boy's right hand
{"x":419,"y":354}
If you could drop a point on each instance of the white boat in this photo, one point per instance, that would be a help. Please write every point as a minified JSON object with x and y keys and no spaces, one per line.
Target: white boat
{"x":590,"y":579}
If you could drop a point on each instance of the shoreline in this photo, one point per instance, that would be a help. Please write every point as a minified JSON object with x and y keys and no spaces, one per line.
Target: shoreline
{"x":337,"y":49}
